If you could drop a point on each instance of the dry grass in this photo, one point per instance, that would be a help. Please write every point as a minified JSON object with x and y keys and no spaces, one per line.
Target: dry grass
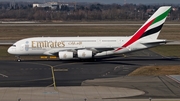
{"x":16,"y":33}
{"x":167,"y":50}
{"x":156,"y":71}
{"x":170,"y":33}
{"x":19,"y":32}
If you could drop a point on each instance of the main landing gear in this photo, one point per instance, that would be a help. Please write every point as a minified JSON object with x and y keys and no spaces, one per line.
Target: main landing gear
{"x":89,"y":60}
{"x":18,"y":58}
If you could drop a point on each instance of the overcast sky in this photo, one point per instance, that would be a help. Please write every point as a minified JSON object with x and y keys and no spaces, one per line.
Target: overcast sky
{"x":114,"y":1}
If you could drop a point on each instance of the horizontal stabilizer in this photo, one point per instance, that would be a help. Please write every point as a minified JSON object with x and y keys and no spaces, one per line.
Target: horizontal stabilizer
{"x":156,"y":42}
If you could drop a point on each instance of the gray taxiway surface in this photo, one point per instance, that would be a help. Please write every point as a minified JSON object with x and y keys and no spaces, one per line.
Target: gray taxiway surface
{"x":39,"y":73}
{"x":111,"y":72}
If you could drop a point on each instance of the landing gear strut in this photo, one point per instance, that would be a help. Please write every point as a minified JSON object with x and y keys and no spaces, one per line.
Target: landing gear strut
{"x":18,"y":58}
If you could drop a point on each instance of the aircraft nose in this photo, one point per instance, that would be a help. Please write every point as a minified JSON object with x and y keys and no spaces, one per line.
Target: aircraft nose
{"x":10,"y":50}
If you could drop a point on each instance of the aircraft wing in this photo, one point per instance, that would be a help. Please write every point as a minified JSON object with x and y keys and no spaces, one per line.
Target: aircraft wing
{"x":97,"y":49}
{"x":94,"y":50}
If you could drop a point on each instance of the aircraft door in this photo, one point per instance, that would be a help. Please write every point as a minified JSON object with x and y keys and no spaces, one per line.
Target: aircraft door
{"x":98,"y":41}
{"x":118,"y":40}
{"x":22,"y":47}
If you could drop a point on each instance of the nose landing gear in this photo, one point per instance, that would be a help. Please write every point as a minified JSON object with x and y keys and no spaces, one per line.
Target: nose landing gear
{"x":18,"y":58}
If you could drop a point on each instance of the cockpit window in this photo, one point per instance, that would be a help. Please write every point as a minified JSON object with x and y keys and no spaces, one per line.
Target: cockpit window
{"x":14,"y":45}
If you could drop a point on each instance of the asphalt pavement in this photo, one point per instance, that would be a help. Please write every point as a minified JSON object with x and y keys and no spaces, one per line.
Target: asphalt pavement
{"x":108,"y":72}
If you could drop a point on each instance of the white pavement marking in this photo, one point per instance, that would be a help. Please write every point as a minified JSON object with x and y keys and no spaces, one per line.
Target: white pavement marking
{"x":175,"y":78}
{"x":3,"y":75}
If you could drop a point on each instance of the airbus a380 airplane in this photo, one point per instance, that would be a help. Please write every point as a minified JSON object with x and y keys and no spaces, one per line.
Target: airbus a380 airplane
{"x":91,"y":47}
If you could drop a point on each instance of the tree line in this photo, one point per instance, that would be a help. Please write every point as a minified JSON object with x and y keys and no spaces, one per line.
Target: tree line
{"x":91,"y":12}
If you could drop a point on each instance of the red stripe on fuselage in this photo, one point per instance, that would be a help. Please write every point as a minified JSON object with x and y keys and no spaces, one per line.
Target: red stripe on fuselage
{"x":137,"y":35}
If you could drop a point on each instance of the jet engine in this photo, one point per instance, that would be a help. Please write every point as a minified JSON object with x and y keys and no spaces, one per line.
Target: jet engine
{"x":84,"y":54}
{"x":65,"y":55}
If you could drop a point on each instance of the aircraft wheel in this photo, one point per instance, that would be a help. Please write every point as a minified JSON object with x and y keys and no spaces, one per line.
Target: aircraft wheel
{"x":94,"y":60}
{"x":19,"y":60}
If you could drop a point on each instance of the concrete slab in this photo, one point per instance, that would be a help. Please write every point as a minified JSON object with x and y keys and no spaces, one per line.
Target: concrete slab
{"x":175,"y":78}
{"x":73,"y":93}
{"x":154,"y":86}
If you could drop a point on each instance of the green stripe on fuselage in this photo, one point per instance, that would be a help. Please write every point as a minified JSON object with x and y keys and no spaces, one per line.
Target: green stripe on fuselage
{"x":161,"y":17}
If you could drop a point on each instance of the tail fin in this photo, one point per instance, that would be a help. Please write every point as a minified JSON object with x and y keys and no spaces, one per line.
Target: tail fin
{"x":152,"y":27}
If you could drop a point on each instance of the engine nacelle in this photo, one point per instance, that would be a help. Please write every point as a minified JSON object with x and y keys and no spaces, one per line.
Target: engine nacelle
{"x":84,"y":54}
{"x":65,"y":55}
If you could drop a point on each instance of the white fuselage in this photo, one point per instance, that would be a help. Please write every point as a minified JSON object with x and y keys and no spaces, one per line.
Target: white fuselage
{"x":51,"y":45}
